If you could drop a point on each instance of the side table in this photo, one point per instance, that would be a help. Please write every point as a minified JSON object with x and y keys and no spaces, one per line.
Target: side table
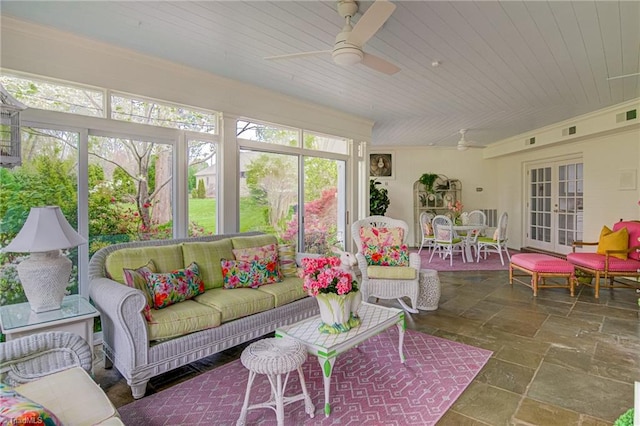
{"x":429,"y":295}
{"x":75,"y":315}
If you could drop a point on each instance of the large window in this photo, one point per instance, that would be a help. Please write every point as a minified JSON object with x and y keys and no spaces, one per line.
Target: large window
{"x":297,"y":191}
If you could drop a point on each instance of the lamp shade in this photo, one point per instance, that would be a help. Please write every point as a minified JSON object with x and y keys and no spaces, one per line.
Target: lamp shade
{"x":46,"y":229}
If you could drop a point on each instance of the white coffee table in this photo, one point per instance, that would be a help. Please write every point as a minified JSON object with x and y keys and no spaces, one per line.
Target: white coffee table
{"x":327,"y":347}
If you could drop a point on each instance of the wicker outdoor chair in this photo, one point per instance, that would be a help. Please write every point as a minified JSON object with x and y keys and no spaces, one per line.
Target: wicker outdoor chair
{"x":387,"y":282}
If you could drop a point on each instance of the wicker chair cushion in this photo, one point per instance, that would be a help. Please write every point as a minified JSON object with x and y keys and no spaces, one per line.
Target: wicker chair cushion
{"x":391,"y":272}
{"x":17,"y":409}
{"x":287,"y":259}
{"x":250,"y":274}
{"x":383,"y":237}
{"x":237,"y":303}
{"x":387,"y":255}
{"x":181,"y":319}
{"x":208,"y":255}
{"x":166,"y":258}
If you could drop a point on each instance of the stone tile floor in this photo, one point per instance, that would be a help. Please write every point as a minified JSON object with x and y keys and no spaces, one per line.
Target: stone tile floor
{"x":557,"y":360}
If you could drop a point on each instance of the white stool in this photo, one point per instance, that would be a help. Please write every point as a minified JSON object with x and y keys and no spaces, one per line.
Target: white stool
{"x":275,"y":357}
{"x":429,"y":295}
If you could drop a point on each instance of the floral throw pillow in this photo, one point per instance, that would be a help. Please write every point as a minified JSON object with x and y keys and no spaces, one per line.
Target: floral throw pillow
{"x":382,"y":237}
{"x":387,"y":256}
{"x":176,"y":286}
{"x":262,"y":253}
{"x":249,"y":274}
{"x":16,"y":409}
{"x":136,"y":278}
{"x":443,"y":235}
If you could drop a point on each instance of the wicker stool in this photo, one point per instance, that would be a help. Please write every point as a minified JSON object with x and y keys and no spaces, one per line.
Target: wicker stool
{"x":429,"y":295}
{"x":275,"y":357}
{"x":540,"y":267}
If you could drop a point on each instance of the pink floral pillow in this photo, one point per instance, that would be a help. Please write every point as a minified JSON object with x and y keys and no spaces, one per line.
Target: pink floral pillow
{"x":136,"y":278}
{"x":176,"y":286}
{"x":249,"y":274}
{"x":382,"y":237}
{"x":387,"y":256}
{"x":258,"y":254}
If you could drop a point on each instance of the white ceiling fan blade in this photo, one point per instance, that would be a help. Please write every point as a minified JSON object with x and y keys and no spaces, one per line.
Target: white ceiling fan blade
{"x":624,"y":76}
{"x":296,"y":55}
{"x":379,"y":64}
{"x":371,"y":22}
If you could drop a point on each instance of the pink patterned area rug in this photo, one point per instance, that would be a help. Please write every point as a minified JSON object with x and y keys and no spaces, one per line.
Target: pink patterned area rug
{"x":369,"y":386}
{"x":491,"y":263}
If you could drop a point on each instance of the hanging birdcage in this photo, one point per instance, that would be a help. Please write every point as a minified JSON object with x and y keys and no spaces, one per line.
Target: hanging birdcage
{"x":10,"y":109}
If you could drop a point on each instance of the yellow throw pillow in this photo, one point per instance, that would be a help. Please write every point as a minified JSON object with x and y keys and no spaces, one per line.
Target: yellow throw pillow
{"x":610,"y":240}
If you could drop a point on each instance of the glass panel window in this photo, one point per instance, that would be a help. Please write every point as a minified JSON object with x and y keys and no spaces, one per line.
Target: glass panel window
{"x":54,"y":96}
{"x":130,"y":194}
{"x":326,"y":143}
{"x":267,"y":133}
{"x":268,"y":185}
{"x":48,"y":177}
{"x":140,"y":110}
{"x":203,"y":187}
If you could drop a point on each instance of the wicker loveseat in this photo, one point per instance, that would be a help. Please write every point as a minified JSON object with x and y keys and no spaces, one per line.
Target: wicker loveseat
{"x":187,"y":331}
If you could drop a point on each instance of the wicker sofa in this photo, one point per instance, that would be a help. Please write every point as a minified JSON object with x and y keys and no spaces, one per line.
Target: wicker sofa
{"x":209,"y":323}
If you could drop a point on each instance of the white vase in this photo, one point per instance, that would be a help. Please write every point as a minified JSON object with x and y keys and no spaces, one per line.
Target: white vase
{"x":339,"y":313}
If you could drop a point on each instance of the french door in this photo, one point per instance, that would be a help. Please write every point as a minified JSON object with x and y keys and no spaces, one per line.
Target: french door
{"x":555,"y":194}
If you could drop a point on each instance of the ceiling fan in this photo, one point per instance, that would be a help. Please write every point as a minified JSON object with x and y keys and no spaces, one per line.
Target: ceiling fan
{"x":464,"y":144}
{"x":347,"y":49}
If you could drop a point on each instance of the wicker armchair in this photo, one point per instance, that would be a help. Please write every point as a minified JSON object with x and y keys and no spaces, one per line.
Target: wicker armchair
{"x":33,"y":357}
{"x":387,"y":288}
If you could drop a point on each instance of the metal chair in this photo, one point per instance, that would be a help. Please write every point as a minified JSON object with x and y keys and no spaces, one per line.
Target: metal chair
{"x":387,"y":282}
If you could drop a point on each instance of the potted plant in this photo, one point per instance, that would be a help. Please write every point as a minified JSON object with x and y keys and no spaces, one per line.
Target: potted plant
{"x":428,"y":179}
{"x":378,"y":199}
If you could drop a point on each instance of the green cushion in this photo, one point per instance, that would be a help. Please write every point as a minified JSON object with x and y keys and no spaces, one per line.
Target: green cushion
{"x":207,"y":255}
{"x":253,"y":241}
{"x":238,"y":302}
{"x":182,"y":318}
{"x":486,"y":240}
{"x":166,"y":258}
{"x":287,"y":291}
{"x":391,"y":272}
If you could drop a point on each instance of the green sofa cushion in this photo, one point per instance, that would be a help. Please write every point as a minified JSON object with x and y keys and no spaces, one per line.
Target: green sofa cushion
{"x":166,"y":258}
{"x":287,"y":291}
{"x":182,"y":318}
{"x":238,"y":302}
{"x":253,"y":241}
{"x":207,"y":255}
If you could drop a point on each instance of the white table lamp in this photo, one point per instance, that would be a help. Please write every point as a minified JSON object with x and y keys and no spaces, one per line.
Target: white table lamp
{"x":45,"y":274}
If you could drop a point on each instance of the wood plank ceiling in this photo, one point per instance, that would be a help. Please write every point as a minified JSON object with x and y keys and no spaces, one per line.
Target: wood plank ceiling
{"x":505,"y":67}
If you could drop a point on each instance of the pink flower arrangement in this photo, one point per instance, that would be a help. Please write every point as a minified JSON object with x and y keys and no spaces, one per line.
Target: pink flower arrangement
{"x":324,"y":275}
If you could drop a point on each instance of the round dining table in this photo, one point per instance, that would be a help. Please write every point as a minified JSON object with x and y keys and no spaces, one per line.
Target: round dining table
{"x":468,"y":237}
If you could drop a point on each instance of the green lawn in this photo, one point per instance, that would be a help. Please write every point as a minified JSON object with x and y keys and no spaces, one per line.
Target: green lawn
{"x":202,"y":211}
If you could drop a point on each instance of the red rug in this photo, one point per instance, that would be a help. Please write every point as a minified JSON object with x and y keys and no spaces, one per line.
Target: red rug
{"x":491,"y":263}
{"x":369,"y":386}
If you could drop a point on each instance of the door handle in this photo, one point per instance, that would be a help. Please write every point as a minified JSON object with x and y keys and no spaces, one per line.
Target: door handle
{"x":555,"y":210}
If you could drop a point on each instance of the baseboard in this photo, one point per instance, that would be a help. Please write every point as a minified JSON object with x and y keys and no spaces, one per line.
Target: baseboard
{"x":536,"y":250}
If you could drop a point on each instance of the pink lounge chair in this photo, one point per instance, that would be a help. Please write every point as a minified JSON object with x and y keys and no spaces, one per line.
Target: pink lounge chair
{"x":607,"y":266}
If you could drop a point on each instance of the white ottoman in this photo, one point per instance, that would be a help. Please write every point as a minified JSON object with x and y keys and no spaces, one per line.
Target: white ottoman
{"x":429,"y":295}
{"x":275,"y":357}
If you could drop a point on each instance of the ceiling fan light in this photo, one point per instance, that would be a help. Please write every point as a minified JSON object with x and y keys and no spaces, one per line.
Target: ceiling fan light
{"x":462,"y":147}
{"x":347,"y":56}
